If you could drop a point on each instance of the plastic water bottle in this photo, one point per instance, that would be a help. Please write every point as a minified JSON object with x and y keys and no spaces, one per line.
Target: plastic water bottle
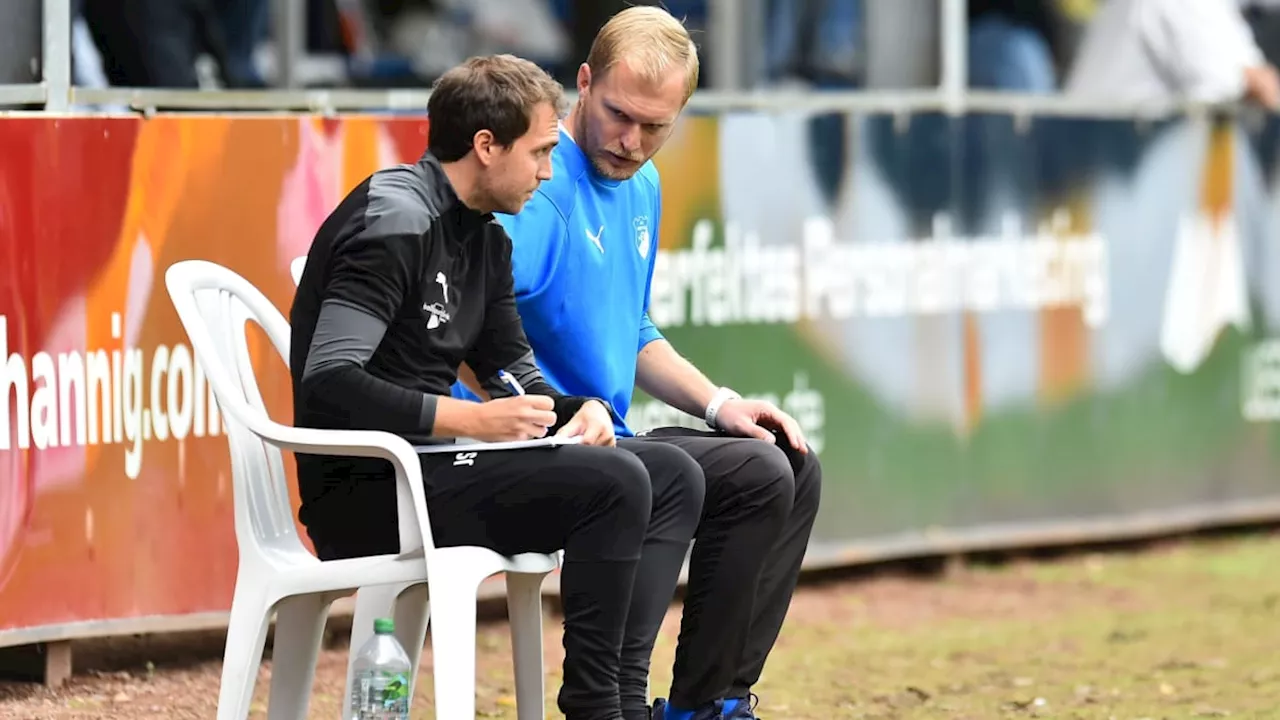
{"x":382,"y":675}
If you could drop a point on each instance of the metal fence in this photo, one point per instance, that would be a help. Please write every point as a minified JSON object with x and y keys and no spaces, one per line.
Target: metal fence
{"x":727,"y":20}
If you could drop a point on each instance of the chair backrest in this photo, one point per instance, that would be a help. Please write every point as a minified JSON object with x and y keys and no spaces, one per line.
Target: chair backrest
{"x":296,"y":267}
{"x":215,"y":305}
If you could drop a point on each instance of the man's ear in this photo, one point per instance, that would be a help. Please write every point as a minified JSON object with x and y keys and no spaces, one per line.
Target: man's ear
{"x":485,"y":146}
{"x":584,"y":78}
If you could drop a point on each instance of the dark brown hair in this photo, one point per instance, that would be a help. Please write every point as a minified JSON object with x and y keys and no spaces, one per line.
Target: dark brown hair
{"x":497,"y":93}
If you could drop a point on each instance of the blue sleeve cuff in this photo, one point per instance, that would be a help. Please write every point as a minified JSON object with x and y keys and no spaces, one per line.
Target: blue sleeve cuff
{"x":648,"y":332}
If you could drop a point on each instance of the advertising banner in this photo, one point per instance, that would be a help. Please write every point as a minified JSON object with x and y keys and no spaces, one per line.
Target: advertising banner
{"x":980,"y":322}
{"x":115,"y":488}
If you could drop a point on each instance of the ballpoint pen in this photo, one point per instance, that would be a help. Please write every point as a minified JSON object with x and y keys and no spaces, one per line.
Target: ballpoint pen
{"x":508,"y":380}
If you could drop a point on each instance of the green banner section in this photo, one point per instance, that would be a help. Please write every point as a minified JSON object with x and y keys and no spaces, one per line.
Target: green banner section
{"x":979,"y":326}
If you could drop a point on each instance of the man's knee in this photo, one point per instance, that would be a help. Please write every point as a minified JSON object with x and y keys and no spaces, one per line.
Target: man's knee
{"x":620,"y":478}
{"x":765,"y":476}
{"x":607,"y":511}
{"x":676,"y":478}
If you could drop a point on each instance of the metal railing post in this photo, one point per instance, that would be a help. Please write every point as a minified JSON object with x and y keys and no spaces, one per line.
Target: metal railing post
{"x":724,"y":30}
{"x":955,"y":53}
{"x":289,"y":30}
{"x":55,"y":54}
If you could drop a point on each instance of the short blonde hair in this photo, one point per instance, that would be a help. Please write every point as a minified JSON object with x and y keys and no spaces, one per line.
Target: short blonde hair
{"x":650,"y":40}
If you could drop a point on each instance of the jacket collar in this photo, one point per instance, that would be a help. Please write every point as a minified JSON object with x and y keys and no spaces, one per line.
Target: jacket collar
{"x":444,"y":196}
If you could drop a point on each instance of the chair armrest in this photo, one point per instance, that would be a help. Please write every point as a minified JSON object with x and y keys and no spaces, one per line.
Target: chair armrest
{"x":411,"y":504}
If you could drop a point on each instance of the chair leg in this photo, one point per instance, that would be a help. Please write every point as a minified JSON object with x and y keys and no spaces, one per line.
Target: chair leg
{"x":453,"y":642}
{"x":412,"y":613}
{"x":373,"y":602}
{"x":524,"y":611}
{"x":242,"y":656}
{"x":299,"y":631}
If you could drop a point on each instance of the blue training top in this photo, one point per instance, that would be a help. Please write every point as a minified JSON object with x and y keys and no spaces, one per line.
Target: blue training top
{"x":583,"y":253}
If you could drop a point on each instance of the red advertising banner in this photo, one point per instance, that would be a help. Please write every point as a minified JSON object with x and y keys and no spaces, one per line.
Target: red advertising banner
{"x":115,"y":491}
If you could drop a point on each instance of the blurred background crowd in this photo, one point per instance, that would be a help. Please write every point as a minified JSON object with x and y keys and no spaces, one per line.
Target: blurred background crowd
{"x":1211,"y":50}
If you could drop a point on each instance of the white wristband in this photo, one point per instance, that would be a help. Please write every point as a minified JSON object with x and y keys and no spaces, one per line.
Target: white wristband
{"x":713,"y":408}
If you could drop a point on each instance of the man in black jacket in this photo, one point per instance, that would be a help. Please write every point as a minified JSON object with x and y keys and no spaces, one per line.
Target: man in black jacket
{"x":411,"y":276}
{"x":1012,"y":45}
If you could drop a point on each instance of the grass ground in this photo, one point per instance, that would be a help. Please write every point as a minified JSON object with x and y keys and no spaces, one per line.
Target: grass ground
{"x":1184,"y":630}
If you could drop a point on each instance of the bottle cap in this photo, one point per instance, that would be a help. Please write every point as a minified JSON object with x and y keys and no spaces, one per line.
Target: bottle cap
{"x":384,"y":626}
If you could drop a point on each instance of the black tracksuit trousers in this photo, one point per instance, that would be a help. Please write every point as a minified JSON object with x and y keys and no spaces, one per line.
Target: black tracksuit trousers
{"x":594,"y":503}
{"x":760,"y":504}
{"x":601,"y":505}
{"x":624,"y":518}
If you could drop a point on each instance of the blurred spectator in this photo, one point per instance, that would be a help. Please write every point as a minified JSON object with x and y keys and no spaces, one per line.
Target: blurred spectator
{"x":155,"y":43}
{"x":1263,"y":17}
{"x":244,"y":25}
{"x":1010,"y":45}
{"x":814,"y":41}
{"x":583,"y":19}
{"x":1073,"y":18}
{"x":86,"y":61}
{"x":20,"y":51}
{"x":438,"y":34}
{"x":1157,"y":52}
{"x":818,"y":44}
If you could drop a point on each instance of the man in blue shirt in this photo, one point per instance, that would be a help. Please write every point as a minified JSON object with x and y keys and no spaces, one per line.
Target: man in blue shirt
{"x":583,"y":259}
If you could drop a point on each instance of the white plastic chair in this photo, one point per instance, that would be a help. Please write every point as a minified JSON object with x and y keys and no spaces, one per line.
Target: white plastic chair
{"x":276,"y":572}
{"x":296,"y":267}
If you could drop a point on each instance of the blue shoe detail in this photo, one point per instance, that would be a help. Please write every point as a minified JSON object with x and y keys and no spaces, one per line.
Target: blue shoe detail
{"x":735,"y":709}
{"x":713,"y":711}
{"x":663,"y":711}
{"x":728,"y":709}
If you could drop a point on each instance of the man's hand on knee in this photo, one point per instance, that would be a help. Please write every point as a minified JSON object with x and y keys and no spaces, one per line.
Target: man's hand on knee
{"x":758,"y":419}
{"x":593,"y":423}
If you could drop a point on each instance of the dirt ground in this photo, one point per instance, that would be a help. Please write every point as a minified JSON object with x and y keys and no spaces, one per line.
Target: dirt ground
{"x":1188,"y":629}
